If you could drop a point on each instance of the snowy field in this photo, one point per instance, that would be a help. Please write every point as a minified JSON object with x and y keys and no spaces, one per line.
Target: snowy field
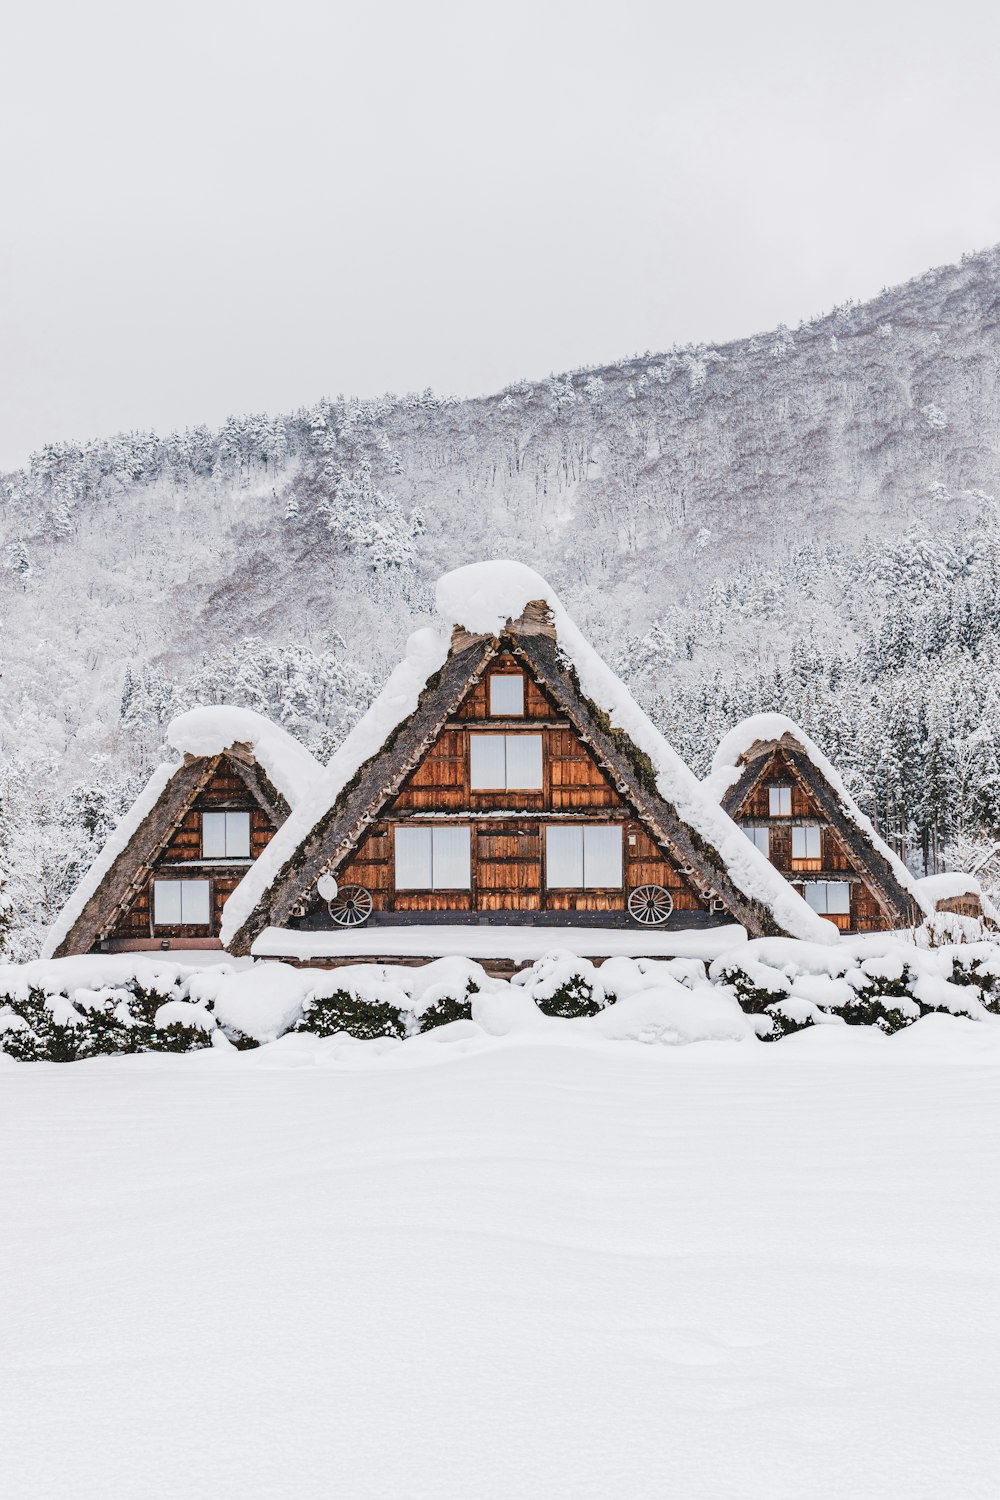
{"x":468,"y":1268}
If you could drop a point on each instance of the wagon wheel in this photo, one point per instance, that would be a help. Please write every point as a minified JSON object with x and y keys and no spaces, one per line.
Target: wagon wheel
{"x":351,"y":906}
{"x":650,"y":905}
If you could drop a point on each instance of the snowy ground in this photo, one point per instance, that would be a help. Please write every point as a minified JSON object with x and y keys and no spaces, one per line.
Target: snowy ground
{"x":471,"y":1269}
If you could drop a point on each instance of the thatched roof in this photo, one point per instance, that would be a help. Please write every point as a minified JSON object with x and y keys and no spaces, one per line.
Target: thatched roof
{"x":743,"y":758}
{"x":275,"y":769}
{"x":493,"y":607}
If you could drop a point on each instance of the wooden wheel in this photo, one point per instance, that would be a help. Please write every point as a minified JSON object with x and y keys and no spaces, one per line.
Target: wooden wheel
{"x":351,"y":906}
{"x":650,"y":905}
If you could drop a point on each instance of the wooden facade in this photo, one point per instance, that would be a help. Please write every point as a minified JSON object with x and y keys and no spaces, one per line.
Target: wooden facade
{"x":169,"y":845}
{"x":808,"y":836}
{"x":507,"y":827}
{"x":592,"y":790}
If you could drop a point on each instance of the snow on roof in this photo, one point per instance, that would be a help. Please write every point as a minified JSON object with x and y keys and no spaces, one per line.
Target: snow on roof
{"x":946,"y":886}
{"x":286,"y":763}
{"x":482,"y":597}
{"x":727,"y":770}
{"x":117,"y":842}
{"x":202,"y":732}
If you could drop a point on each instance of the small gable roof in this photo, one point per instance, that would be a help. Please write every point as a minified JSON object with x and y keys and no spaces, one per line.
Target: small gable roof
{"x":739,"y":760}
{"x":475,"y":606}
{"x":201,"y":736}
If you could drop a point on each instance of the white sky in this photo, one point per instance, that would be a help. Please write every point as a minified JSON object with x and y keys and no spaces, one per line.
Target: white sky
{"x":221,"y":205}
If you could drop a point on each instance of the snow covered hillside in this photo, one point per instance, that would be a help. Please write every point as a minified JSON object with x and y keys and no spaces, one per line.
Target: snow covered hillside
{"x":553,"y":1270}
{"x":806,"y":522}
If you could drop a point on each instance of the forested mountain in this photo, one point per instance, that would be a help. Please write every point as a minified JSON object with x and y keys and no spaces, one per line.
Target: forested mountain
{"x":806,"y":520}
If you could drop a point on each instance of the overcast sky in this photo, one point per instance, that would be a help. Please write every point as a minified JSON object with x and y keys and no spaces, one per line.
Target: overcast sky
{"x":220,"y":205}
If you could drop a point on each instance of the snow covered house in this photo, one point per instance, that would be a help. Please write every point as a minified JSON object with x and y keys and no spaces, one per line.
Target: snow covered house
{"x":792,"y":805}
{"x":163,"y":876}
{"x":504,"y":776}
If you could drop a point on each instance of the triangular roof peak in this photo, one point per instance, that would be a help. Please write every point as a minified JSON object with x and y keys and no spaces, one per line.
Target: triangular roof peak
{"x":736,"y":766}
{"x":478,"y":605}
{"x":278,"y":771}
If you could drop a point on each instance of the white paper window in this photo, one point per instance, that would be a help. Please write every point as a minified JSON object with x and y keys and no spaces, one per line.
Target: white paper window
{"x":507,"y":693}
{"x":806,"y":841}
{"x":564,"y":857}
{"x":451,"y":858}
{"x":433,"y":859}
{"x":181,"y":903}
{"x":225,"y":835}
{"x":602,"y":857}
{"x":831,"y":898}
{"x":780,"y":798}
{"x":501,"y":762}
{"x":587,"y":857}
{"x":759,"y":835}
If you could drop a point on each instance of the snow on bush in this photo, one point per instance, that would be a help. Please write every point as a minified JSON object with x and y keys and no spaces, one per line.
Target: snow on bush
{"x":562,"y":984}
{"x":68,"y":1009}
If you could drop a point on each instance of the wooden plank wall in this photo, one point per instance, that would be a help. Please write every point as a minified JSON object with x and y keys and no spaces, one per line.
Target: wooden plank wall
{"x":507,"y":851}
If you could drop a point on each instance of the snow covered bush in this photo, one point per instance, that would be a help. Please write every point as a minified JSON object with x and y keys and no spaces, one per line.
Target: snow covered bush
{"x":561,"y":984}
{"x":356,"y":1011}
{"x":979,"y":965}
{"x":43,"y":1025}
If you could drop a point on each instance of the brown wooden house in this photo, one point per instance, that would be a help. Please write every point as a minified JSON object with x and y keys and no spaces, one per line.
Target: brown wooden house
{"x":791,"y":803}
{"x":164,"y":876}
{"x":506,"y":795}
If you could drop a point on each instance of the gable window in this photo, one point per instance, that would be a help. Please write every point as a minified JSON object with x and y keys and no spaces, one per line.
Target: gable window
{"x":225,"y":835}
{"x":181,"y":903}
{"x":502,"y":762}
{"x":506,"y":694}
{"x":779,"y":801}
{"x":831,"y":898}
{"x":760,"y":836}
{"x":583,"y":857}
{"x":433,"y":859}
{"x":807,"y":847}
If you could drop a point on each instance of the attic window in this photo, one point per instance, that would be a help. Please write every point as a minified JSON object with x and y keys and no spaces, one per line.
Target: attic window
{"x":831,"y":898}
{"x":505,"y":762}
{"x":225,"y":835}
{"x":181,"y":903}
{"x":807,"y":847}
{"x":506,"y":694}
{"x":780,"y":801}
{"x":760,"y":836}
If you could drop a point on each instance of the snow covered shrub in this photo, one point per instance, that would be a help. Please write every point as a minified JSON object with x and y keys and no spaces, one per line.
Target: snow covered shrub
{"x":448,"y":1008}
{"x":882,"y":995}
{"x":362,"y":1016}
{"x":108,"y":1022}
{"x":979,"y":965}
{"x":34,"y":1034}
{"x":442,"y":991}
{"x":562,"y":984}
{"x":756,"y":986}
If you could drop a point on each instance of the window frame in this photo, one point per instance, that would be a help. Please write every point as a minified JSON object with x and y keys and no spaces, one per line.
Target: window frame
{"x":430,"y":829}
{"x":583,"y":829}
{"x":226,"y":813}
{"x":825,"y":885}
{"x":753,"y":832}
{"x":774,"y":791}
{"x":505,"y":713}
{"x":807,"y":861}
{"x":181,"y":921}
{"x":478,"y":735}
